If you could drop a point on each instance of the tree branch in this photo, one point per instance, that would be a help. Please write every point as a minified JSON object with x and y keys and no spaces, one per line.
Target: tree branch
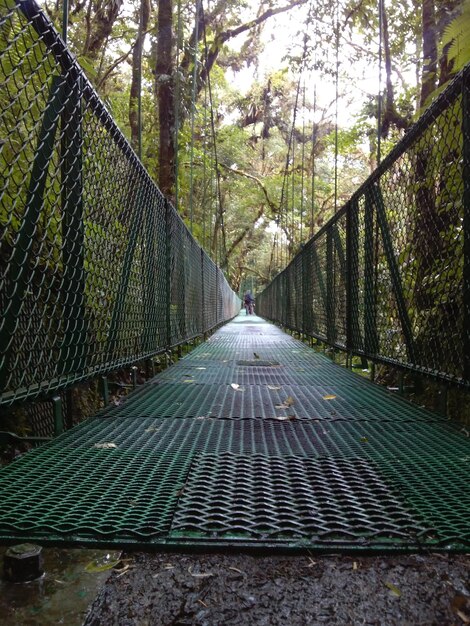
{"x":274,"y":208}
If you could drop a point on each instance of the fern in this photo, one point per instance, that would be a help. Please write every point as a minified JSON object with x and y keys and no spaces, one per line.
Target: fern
{"x":457,"y":36}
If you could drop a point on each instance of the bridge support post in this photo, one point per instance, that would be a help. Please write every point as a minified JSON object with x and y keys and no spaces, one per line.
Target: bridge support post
{"x":58,"y":413}
{"x":466,"y":222}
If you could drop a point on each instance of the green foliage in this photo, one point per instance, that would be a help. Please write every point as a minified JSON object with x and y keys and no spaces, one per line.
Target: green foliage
{"x":456,"y":35}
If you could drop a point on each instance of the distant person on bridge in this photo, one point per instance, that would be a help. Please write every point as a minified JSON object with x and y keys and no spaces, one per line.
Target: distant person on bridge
{"x":249,"y":303}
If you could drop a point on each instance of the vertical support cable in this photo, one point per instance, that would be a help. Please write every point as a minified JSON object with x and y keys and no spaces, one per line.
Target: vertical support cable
{"x":303,"y":167}
{"x":193,"y":114}
{"x":177,"y":103}
{"x":314,"y":141}
{"x":139,"y":81}
{"x":379,"y":103}
{"x":65,"y":19}
{"x":336,"y":104}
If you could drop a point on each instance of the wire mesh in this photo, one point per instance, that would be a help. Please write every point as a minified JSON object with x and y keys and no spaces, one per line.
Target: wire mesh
{"x":97,"y":269}
{"x":389,"y":276}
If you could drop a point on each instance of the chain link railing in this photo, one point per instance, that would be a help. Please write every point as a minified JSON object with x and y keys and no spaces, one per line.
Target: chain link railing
{"x":97,"y":269}
{"x":388,"y":277}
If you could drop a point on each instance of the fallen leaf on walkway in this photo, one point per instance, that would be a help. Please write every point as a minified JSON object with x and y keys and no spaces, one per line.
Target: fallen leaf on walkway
{"x":284,"y":418}
{"x":236,"y":387}
{"x":152,"y":429}
{"x":273,"y":387}
{"x":235,"y":569}
{"x":189,"y":381}
{"x":329,"y":397}
{"x":290,"y":401}
{"x":364,"y":440}
{"x":256,"y":355}
{"x":105,"y":446}
{"x":281,"y":406}
{"x":201,"y":368}
{"x":203,"y":603}
{"x":354,"y":565}
{"x":394,"y":589}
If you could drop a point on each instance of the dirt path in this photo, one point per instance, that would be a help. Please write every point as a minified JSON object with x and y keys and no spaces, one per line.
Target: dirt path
{"x":223,"y":590}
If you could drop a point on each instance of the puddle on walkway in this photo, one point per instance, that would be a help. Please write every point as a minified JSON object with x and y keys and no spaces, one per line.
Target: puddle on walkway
{"x":62,"y":595}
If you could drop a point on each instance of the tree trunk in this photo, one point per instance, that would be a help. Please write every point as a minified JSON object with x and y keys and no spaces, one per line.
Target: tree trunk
{"x":100,"y":27}
{"x":136,"y":82}
{"x":164,"y":76}
{"x":390,"y":114}
{"x":429,"y":75}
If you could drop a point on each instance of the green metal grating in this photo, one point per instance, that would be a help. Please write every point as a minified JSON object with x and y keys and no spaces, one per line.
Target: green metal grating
{"x":207,"y":465}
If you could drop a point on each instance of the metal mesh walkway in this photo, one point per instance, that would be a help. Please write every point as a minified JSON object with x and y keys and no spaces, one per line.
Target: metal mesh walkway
{"x":252,"y":440}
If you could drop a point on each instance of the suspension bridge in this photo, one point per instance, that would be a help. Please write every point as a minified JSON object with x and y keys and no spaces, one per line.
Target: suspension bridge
{"x":252,"y":439}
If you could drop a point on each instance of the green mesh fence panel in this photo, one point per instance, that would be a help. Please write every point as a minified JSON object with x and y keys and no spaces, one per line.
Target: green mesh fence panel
{"x":97,"y":270}
{"x":389,"y":276}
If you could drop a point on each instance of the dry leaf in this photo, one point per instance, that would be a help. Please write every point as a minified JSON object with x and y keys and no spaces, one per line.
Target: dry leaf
{"x":105,"y":446}
{"x":329,"y":397}
{"x":460,"y":602}
{"x":364,"y":440}
{"x":354,"y":565}
{"x":189,"y":381}
{"x":394,"y":589}
{"x":290,"y":401}
{"x":235,"y":569}
{"x":284,"y":418}
{"x":234,"y":386}
{"x":201,"y":368}
{"x":273,"y":387}
{"x":152,"y":429}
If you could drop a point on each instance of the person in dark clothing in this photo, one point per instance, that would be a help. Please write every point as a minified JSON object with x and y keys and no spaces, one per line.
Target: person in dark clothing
{"x":249,"y":303}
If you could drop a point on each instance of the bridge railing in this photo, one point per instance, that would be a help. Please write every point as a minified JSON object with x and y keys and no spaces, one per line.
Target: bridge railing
{"x":97,"y":269}
{"x":388,"y":277}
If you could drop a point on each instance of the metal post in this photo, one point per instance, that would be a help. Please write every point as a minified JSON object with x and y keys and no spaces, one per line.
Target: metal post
{"x":466,"y":222}
{"x":58,"y":415}
{"x":104,"y":390}
{"x":65,"y":19}
{"x":168,"y":272}
{"x":370,"y":303}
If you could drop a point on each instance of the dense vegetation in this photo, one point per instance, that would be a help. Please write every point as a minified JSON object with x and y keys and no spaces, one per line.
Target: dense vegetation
{"x":258,"y":157}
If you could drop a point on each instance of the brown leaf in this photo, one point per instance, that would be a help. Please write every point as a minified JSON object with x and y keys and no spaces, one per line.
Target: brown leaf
{"x":461,"y":606}
{"x":289,"y":401}
{"x":329,"y":397}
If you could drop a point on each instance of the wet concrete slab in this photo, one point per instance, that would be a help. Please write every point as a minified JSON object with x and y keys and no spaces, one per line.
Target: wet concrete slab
{"x":70,"y":582}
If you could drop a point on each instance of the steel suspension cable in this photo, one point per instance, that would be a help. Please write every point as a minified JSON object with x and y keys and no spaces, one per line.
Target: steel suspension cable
{"x":177,"y":102}
{"x":379,"y":103}
{"x":193,"y":113}
{"x":214,"y":140}
{"x":336,"y":102}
